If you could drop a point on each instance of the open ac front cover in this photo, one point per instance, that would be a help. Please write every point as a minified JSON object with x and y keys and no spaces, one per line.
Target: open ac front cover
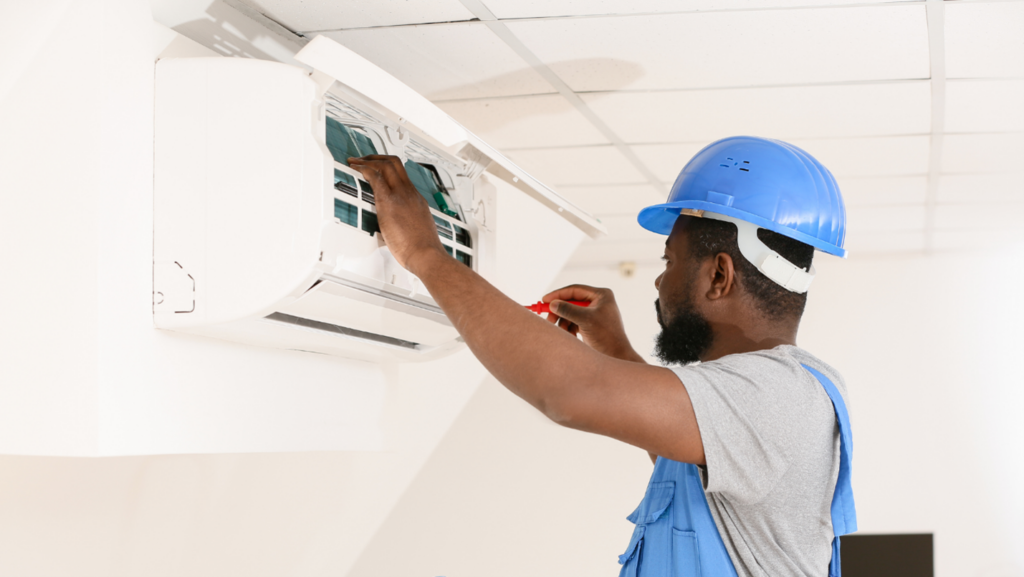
{"x":264,"y":235}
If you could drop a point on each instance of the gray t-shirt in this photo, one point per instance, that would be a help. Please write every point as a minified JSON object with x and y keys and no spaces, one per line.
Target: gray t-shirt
{"x":771,"y":443}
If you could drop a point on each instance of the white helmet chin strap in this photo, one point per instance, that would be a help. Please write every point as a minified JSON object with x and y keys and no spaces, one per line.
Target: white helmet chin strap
{"x":769,"y":262}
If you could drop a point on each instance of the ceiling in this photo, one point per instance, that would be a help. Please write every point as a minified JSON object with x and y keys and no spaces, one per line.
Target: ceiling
{"x":916,"y":107}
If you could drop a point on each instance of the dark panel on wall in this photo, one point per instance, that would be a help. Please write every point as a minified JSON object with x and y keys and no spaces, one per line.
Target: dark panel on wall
{"x":887,"y":555}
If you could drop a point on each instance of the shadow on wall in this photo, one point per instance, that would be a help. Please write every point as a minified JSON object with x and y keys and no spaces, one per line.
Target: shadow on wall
{"x":232,"y":33}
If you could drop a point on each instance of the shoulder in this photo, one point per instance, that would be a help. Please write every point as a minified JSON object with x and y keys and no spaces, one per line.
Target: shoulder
{"x":762,"y":379}
{"x":783,"y":360}
{"x":805,"y":358}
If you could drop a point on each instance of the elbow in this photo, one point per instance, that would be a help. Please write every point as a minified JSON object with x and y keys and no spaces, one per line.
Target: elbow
{"x":562,"y":412}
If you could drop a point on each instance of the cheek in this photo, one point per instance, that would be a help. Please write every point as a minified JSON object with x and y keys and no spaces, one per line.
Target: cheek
{"x":675,"y":287}
{"x":667,"y":288}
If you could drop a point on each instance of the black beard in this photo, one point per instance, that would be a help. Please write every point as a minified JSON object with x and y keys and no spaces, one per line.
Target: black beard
{"x":685,"y":338}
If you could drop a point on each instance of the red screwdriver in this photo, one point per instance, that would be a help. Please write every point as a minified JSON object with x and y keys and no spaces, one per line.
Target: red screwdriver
{"x":541,"y":308}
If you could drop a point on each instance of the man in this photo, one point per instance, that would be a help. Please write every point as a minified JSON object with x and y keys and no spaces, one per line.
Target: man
{"x":752,"y":445}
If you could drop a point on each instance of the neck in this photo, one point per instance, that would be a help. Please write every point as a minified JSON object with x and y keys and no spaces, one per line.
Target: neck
{"x":732,"y":338}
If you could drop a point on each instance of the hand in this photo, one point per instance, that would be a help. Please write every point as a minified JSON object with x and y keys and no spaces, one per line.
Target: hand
{"x":600,"y":324}
{"x":402,"y":213}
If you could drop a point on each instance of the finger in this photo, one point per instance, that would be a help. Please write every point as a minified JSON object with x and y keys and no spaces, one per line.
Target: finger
{"x":570,"y":311}
{"x":376,"y":157}
{"x":574,"y":330}
{"x":551,"y":318}
{"x":575,"y":292}
{"x":366,"y":163}
{"x":397,"y":163}
{"x":383,"y":177}
{"x":390,"y":167}
{"x":372,"y":176}
{"x":363,"y":166}
{"x":564,"y":325}
{"x":369,"y":172}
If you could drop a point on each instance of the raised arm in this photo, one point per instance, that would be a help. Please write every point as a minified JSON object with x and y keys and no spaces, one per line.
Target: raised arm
{"x":568,"y":381}
{"x":599,"y":324}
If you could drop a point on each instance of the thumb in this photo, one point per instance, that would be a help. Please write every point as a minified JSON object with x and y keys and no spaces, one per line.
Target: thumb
{"x":567,"y":311}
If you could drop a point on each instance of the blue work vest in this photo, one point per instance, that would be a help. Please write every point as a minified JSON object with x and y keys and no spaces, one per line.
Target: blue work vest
{"x":675,"y":534}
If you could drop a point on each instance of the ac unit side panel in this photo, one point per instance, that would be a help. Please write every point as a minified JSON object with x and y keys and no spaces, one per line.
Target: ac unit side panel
{"x":265,"y":199}
{"x":260,"y":196}
{"x":180,"y":175}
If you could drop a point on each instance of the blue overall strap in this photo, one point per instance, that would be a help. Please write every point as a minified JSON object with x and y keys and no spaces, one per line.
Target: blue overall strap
{"x":844,"y":513}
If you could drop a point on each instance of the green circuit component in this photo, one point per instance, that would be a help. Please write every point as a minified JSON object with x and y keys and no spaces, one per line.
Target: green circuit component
{"x":346,"y":141}
{"x":346,"y":212}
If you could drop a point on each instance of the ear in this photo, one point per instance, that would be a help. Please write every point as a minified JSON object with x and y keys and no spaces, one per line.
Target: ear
{"x":722,"y":275}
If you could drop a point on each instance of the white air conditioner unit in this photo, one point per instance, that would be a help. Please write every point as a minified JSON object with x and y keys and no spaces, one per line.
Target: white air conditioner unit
{"x":264,"y":235}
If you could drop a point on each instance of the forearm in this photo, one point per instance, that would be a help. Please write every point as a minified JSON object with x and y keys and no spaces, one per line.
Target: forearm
{"x":532,"y":358}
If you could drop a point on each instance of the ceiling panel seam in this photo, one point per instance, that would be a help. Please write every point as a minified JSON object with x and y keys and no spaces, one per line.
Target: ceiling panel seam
{"x":502,"y":32}
{"x":704,"y":142}
{"x":701,"y":89}
{"x":937,"y":54}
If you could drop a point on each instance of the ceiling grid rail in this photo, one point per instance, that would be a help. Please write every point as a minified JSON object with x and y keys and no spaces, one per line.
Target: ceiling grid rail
{"x":935,"y":11}
{"x":499,"y":29}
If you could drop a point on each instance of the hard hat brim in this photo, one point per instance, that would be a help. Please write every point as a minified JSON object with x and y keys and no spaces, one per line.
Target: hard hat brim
{"x":660,"y":218}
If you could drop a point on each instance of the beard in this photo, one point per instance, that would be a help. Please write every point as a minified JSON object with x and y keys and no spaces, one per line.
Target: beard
{"x":685,"y":338}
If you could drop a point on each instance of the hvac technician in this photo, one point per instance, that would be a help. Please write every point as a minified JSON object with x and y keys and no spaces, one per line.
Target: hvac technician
{"x":753,"y":444}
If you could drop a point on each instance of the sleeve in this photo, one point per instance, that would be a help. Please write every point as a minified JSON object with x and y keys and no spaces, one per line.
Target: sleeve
{"x":740,"y":409}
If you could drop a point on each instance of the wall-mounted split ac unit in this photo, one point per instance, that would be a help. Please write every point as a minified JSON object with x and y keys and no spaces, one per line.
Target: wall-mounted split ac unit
{"x":264,"y":235}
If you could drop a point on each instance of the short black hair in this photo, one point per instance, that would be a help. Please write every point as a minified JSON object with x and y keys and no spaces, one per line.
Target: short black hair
{"x":709,"y":237}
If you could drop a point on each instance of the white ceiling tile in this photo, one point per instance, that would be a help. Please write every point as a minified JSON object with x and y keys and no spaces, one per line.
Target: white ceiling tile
{"x":865,"y":220}
{"x":577,"y":166}
{"x":985,"y":105}
{"x":666,"y":160}
{"x":721,"y":49}
{"x":554,"y":8}
{"x":541,"y":121}
{"x":310,"y":15}
{"x":981,"y":187}
{"x":882,"y":156}
{"x":979,"y":239}
{"x":600,"y":252}
{"x":983,"y":153}
{"x":605,"y":200}
{"x":984,"y":39}
{"x":993,"y":216}
{"x":782,"y":112}
{"x":889,"y":190}
{"x":446,"y":61}
{"x":882,"y":242}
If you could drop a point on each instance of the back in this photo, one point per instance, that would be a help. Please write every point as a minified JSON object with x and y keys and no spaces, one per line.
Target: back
{"x":771,"y":443}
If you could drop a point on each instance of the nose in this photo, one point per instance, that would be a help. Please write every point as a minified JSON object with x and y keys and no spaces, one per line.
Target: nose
{"x":657,"y":281}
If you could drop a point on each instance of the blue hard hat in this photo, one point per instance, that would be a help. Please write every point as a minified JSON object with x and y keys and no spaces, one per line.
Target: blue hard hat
{"x":769,"y":183}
